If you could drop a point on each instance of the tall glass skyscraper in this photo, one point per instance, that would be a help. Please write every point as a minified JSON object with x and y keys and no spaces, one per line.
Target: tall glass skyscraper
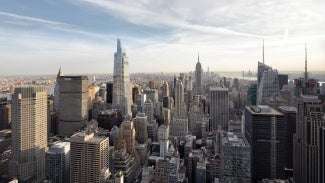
{"x":121,"y":81}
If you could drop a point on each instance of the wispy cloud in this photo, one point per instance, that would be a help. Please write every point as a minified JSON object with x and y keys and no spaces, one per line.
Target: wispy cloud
{"x":39,"y":20}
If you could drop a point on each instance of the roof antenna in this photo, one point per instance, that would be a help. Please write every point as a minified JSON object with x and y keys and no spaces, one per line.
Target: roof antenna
{"x":198,"y":56}
{"x":263,"y":51}
{"x":306,"y":73}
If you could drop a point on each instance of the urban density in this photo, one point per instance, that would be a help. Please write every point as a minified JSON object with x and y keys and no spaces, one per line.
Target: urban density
{"x":199,"y":126}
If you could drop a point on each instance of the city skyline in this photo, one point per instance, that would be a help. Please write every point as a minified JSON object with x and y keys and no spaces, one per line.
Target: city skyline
{"x":80,"y":35}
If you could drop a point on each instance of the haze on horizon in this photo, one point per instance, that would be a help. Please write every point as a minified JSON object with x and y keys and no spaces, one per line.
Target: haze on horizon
{"x":160,"y":36}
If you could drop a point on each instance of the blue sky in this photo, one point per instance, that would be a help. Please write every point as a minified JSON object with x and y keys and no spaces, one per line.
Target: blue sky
{"x":160,"y":35}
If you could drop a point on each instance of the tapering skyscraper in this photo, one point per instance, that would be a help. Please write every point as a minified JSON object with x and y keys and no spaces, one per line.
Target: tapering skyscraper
{"x":121,"y":81}
{"x":198,"y":78}
{"x":29,"y":134}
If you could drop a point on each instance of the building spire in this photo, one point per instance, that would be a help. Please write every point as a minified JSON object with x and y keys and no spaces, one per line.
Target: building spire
{"x":198,"y":57}
{"x":306,"y":73}
{"x":263,"y":51}
{"x":60,"y":72}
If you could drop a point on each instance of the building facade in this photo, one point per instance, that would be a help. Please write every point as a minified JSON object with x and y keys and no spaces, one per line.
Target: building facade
{"x":219,"y":108}
{"x":89,"y":156}
{"x":29,"y":134}
{"x":121,"y":81}
{"x":73,"y":104}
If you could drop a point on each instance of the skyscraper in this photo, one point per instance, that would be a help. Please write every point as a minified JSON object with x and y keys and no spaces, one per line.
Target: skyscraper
{"x":127,"y":137}
{"x":219,"y":108}
{"x":180,"y":108}
{"x":58,"y":162}
{"x":268,"y":86}
{"x":235,"y":158}
{"x":198,"y":77}
{"x":89,"y":156}
{"x":321,"y":154}
{"x":73,"y":104}
{"x":290,"y":114}
{"x":5,"y":115}
{"x":141,"y":128}
{"x":121,"y":81}
{"x":29,"y":134}
{"x":305,"y":142}
{"x":266,"y":134}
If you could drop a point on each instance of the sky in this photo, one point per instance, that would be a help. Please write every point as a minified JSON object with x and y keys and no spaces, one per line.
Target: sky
{"x":39,"y":36}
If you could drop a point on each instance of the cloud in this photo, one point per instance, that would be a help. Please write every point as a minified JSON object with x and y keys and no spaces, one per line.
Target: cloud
{"x":39,"y":20}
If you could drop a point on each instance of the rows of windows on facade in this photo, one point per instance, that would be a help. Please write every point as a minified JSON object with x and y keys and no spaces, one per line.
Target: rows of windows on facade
{"x":179,"y":128}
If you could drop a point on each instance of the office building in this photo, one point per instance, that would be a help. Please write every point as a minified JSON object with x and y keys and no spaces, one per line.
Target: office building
{"x":125,"y":162}
{"x":109,"y":93}
{"x":200,"y":175}
{"x":219,"y":108}
{"x":127,"y":137}
{"x":89,"y":156}
{"x":141,"y":128}
{"x":283,"y":80}
{"x":121,"y":81}
{"x":57,"y":160}
{"x":180,"y":108}
{"x":290,"y":114}
{"x":252,"y":94}
{"x":265,"y":131}
{"x":235,"y":158}
{"x":198,"y":78}
{"x":29,"y":134}
{"x":268,"y":86}
{"x":73,"y":104}
{"x":321,"y":154}
{"x":147,"y":108}
{"x":305,"y":143}
{"x":5,"y":115}
{"x":165,"y":89}
{"x":179,"y":128}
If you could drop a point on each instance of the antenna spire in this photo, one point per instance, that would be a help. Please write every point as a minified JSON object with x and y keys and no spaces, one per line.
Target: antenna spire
{"x":198,"y":56}
{"x":306,"y":73}
{"x":263,"y":51}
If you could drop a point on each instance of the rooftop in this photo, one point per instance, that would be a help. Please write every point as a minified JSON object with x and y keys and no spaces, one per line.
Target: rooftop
{"x":263,"y":110}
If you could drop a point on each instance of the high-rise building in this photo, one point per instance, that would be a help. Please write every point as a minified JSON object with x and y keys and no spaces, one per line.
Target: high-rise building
{"x":121,"y":80}
{"x":283,"y":80}
{"x":125,"y":162}
{"x":89,"y":156}
{"x":260,"y":70}
{"x":252,"y":94}
{"x":290,"y":114}
{"x":265,"y":131}
{"x":141,"y":128}
{"x":58,"y":162}
{"x":73,"y":104}
{"x":127,"y":137}
{"x":179,"y":128}
{"x":180,"y":108}
{"x":57,"y":90}
{"x":236,"y":84}
{"x":165,"y":89}
{"x":321,"y":154}
{"x":268,"y":86}
{"x":198,"y":78}
{"x":147,"y":108}
{"x":5,"y":115}
{"x":29,"y":134}
{"x":235,"y":158}
{"x":305,"y":142}
{"x":219,"y":108}
{"x":109,"y":93}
